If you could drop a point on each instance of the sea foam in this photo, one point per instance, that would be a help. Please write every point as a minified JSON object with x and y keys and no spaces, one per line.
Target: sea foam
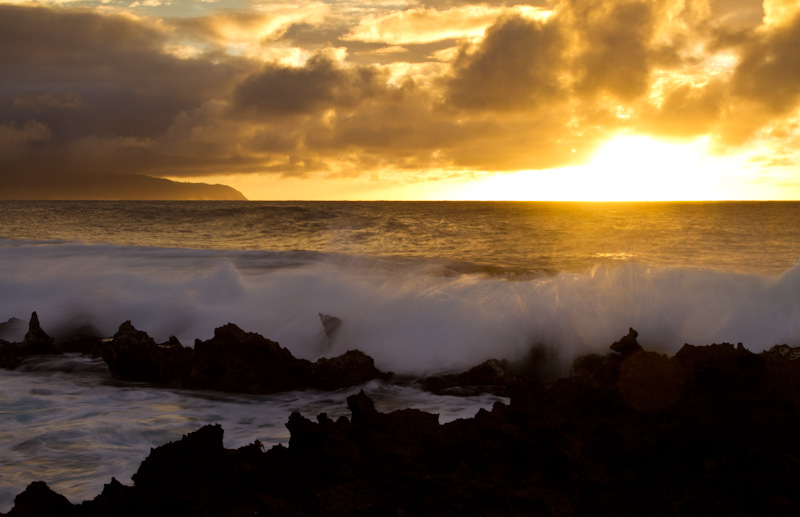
{"x":411,"y":315}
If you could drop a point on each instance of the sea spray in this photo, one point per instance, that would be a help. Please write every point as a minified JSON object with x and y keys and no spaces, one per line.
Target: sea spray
{"x":411,"y":315}
{"x":421,"y":287}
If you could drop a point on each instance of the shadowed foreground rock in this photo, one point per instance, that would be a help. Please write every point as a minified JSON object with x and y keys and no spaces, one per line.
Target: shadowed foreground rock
{"x":710,"y":431}
{"x":36,"y":342}
{"x":233,"y":361}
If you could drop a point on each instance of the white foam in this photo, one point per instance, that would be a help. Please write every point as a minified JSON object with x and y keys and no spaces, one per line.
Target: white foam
{"x":408,"y":315}
{"x":75,"y":431}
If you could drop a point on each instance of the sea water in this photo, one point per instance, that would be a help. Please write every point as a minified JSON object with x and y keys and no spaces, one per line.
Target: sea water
{"x":421,"y":287}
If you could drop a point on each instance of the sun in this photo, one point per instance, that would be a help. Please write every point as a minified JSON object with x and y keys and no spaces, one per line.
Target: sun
{"x":641,"y":168}
{"x":625,"y":168}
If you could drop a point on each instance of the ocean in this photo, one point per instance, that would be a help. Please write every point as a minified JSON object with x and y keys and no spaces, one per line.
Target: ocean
{"x":422,"y":287}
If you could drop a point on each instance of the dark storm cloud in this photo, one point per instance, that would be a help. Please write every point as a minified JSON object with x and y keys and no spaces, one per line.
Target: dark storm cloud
{"x":587,"y":48}
{"x":319,"y":85}
{"x":687,"y":111}
{"x":516,"y":65}
{"x":615,"y":57}
{"x":89,"y":76}
{"x":769,"y":72}
{"x":416,"y":88}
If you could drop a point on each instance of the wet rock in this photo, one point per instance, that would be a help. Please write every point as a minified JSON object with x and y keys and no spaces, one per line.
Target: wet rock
{"x":232,"y":361}
{"x":85,"y":343}
{"x":85,"y":339}
{"x":650,"y":382}
{"x":133,"y":355}
{"x":36,"y":342}
{"x":39,"y":500}
{"x":784,"y":352}
{"x":710,"y":431}
{"x":597,"y":371}
{"x":330,"y":323}
{"x":628,"y":344}
{"x":492,"y":376}
{"x":352,"y":368}
{"x":721,"y":366}
{"x":239,"y":361}
{"x":575,"y":449}
{"x":783,"y":363}
{"x":540,"y":365}
{"x":10,"y":356}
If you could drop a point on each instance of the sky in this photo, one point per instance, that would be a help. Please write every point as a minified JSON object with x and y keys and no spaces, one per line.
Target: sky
{"x":407,"y":99}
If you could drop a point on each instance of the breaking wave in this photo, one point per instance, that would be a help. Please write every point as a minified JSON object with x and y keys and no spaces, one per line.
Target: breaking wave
{"x":412,"y":315}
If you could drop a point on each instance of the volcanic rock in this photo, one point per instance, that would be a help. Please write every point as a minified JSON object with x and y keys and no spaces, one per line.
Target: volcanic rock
{"x":235,"y":360}
{"x":628,"y":344}
{"x":232,"y":361}
{"x":330,"y":323}
{"x":352,"y":368}
{"x":36,"y":342}
{"x":38,"y":500}
{"x":597,"y":443}
{"x":86,"y":340}
{"x":492,"y":376}
{"x":132,"y":355}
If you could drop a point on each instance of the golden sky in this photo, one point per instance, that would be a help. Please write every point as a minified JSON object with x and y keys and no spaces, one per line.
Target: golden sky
{"x":394,"y":99}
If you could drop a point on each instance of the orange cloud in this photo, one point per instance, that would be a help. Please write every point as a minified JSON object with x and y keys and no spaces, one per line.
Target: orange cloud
{"x":296,"y":92}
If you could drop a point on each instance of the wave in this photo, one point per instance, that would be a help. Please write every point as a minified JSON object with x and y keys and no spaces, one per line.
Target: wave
{"x":412,"y":315}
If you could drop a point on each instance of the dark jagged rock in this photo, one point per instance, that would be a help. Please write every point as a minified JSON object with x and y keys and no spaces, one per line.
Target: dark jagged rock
{"x":352,"y":368}
{"x":628,"y":344}
{"x":540,"y":365}
{"x":612,"y":446}
{"x":783,"y":364}
{"x":235,"y":360}
{"x":330,"y":323}
{"x":132,"y":355}
{"x":232,"y":361}
{"x":39,"y":500}
{"x":710,"y":431}
{"x":86,"y":341}
{"x":10,"y":356}
{"x":36,"y":342}
{"x":490,"y":376}
{"x":597,"y":371}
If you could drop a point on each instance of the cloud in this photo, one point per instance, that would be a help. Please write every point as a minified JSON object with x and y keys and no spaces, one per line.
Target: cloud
{"x":426,"y":25}
{"x":446,"y":85}
{"x":321,"y":84}
{"x":13,"y":136}
{"x":769,"y":72}
{"x":252,"y":33}
{"x":517,"y":65}
{"x":779,"y":12}
{"x":97,"y":78}
{"x":687,"y":111}
{"x":612,"y":41}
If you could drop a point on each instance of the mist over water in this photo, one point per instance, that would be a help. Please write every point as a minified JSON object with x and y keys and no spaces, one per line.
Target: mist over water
{"x":421,"y":287}
{"x":411,"y":316}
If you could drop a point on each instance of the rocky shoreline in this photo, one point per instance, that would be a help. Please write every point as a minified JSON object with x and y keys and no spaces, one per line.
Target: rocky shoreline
{"x":712,"y":430}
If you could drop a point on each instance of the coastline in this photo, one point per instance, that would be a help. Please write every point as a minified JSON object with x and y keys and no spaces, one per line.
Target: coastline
{"x":710,"y":429}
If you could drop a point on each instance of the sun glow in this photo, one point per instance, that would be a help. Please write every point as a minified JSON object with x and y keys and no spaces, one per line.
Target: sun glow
{"x":626,"y":168}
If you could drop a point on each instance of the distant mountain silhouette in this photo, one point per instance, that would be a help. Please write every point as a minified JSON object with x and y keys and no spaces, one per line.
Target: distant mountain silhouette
{"x":112,"y":187}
